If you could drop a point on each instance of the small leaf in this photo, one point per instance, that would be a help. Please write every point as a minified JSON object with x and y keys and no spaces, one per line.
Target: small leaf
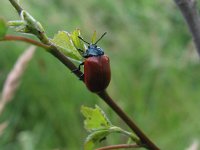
{"x":100,"y":127}
{"x":94,"y":37}
{"x":3,"y":28}
{"x":76,"y":41}
{"x":95,"y":137}
{"x":95,"y":119}
{"x":16,"y":23}
{"x":63,"y":42}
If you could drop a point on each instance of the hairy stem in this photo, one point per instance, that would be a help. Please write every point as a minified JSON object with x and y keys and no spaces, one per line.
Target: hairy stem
{"x":120,"y":146}
{"x":190,"y":13}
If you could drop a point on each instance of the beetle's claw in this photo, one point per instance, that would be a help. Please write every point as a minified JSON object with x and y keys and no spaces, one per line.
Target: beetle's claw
{"x":74,"y":70}
{"x":81,"y":77}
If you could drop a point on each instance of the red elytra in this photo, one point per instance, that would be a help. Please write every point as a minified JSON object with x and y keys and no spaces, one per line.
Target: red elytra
{"x":97,"y":73}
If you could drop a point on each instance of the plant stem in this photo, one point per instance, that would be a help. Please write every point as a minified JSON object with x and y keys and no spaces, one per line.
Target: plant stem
{"x":55,"y":52}
{"x":24,"y":39}
{"x":144,"y":139}
{"x":17,"y":6}
{"x":131,"y":135}
{"x":190,"y":13}
{"x":120,"y":146}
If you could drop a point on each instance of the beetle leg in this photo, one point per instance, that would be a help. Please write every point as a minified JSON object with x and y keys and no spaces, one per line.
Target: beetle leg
{"x":82,"y":77}
{"x":79,"y":67}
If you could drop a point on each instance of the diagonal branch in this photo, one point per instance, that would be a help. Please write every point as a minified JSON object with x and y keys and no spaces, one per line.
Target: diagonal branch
{"x":17,"y":6}
{"x":145,"y":141}
{"x":24,"y":39}
{"x":189,"y":11}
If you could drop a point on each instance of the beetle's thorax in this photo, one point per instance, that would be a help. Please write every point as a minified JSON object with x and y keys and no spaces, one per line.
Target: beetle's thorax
{"x":93,"y":50}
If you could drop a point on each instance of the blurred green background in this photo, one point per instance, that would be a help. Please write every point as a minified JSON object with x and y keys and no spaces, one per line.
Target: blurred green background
{"x":155,"y":75}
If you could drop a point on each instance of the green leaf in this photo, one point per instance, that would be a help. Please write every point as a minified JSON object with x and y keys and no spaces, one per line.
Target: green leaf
{"x":16,"y":23}
{"x":100,"y":127}
{"x":94,"y":37}
{"x":76,"y":41}
{"x":98,"y":135}
{"x":95,"y":119}
{"x":3,"y":28}
{"x":95,"y":137}
{"x":64,"y":43}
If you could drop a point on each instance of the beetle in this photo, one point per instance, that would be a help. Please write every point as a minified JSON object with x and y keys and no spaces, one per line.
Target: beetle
{"x":97,"y":72}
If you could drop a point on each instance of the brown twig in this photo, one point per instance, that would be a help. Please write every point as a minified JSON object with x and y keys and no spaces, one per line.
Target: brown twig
{"x":119,"y":146}
{"x":24,"y":39}
{"x":190,"y":13}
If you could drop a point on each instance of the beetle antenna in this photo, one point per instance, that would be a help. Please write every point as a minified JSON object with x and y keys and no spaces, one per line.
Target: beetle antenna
{"x":100,"y":38}
{"x":83,"y":40}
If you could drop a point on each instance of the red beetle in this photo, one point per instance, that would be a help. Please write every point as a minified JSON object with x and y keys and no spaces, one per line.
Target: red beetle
{"x":97,"y":73}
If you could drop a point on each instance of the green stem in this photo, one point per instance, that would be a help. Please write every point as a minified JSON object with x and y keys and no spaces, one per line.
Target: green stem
{"x":129,"y":134}
{"x":35,"y":25}
{"x":16,"y":6}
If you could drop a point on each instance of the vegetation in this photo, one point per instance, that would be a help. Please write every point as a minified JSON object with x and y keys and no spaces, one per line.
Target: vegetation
{"x":155,"y":75}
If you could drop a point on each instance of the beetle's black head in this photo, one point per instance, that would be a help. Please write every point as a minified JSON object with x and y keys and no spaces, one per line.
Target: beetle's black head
{"x":93,"y":49}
